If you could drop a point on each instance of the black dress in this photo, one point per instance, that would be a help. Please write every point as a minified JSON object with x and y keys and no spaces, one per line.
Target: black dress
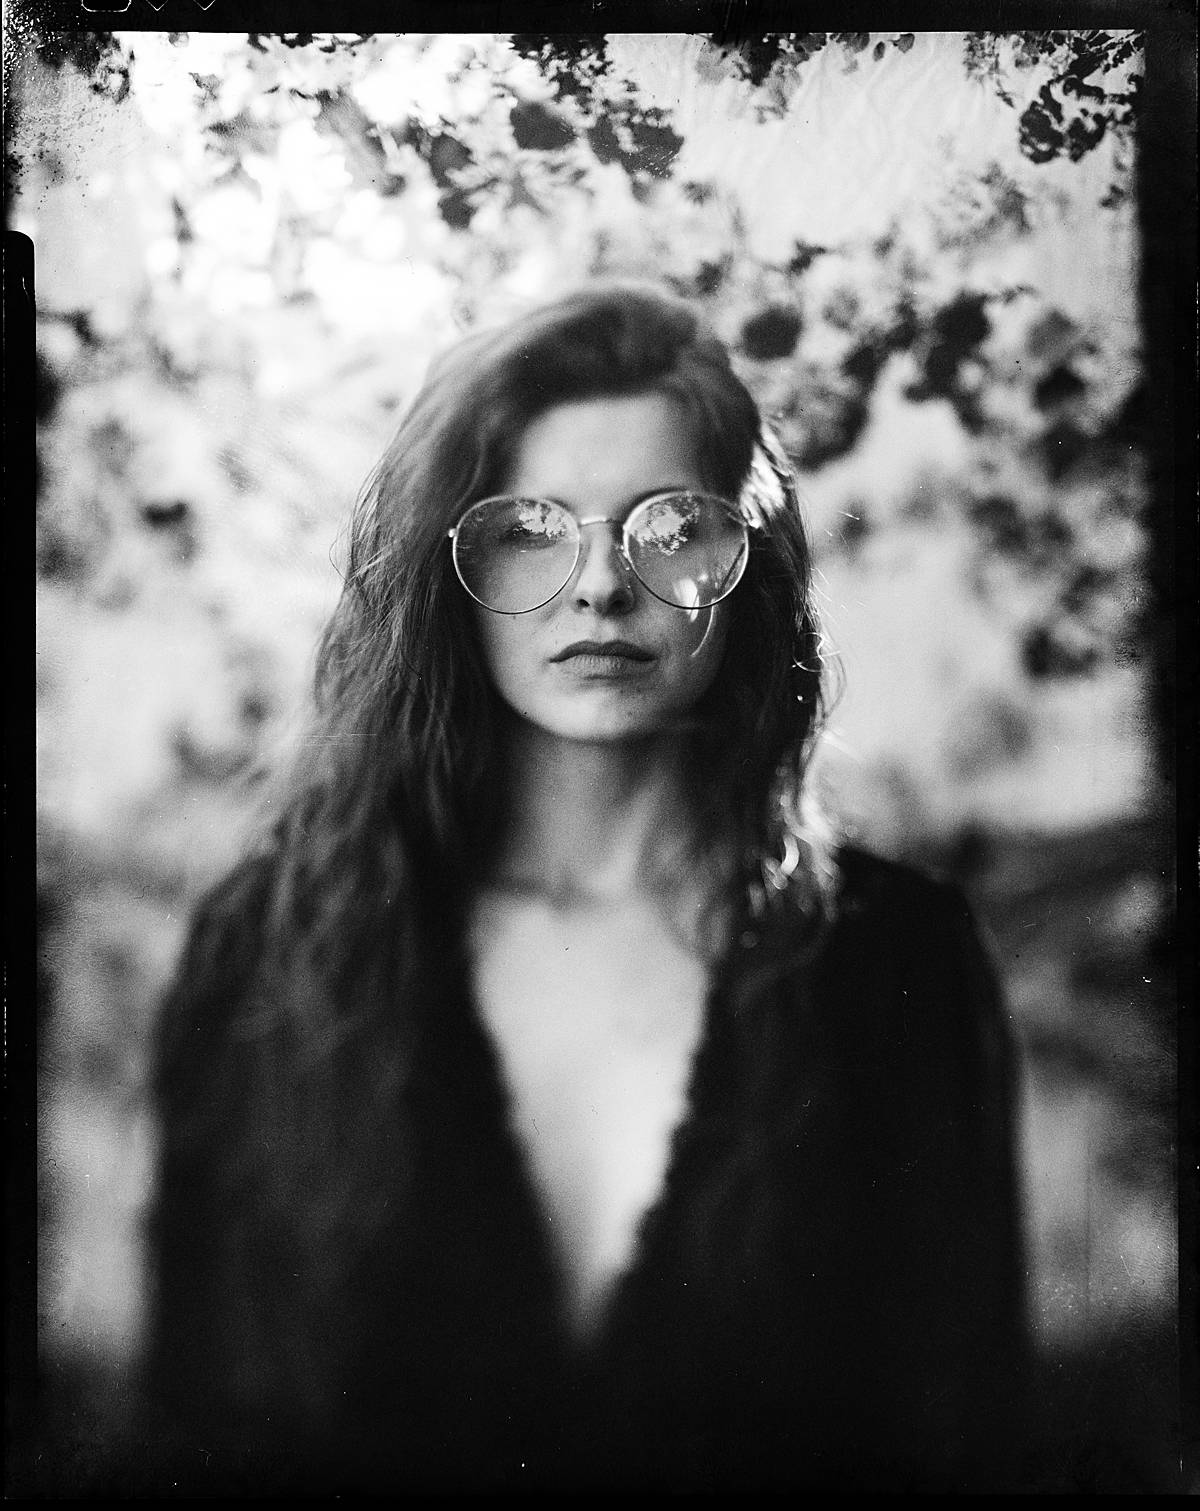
{"x":828,"y":1291}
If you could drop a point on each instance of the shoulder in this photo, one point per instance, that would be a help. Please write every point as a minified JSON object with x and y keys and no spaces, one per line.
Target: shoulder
{"x":214,"y":974}
{"x":230,"y":913}
{"x":868,"y":886}
{"x":903,"y":917}
{"x":905,"y":958}
{"x":883,"y":922}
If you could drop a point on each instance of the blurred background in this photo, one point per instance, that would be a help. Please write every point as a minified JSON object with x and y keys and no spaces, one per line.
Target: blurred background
{"x":923,"y":251}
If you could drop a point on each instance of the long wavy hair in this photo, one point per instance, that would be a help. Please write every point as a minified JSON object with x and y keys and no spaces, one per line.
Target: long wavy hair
{"x":319,"y":956}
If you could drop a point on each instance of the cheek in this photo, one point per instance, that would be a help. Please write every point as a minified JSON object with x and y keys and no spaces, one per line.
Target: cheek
{"x":698,"y":653}
{"x":504,"y":643}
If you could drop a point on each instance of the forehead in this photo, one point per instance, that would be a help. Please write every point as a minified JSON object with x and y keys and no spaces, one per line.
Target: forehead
{"x":606,"y":449}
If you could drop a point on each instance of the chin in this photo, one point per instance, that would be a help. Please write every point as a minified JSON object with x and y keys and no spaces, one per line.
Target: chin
{"x":604,"y":731}
{"x":598,"y":726}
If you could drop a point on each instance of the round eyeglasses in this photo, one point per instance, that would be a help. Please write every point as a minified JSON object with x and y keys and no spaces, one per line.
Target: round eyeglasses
{"x":515,"y":554}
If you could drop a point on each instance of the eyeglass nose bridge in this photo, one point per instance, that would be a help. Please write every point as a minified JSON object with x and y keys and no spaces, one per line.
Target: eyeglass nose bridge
{"x":618,"y":544}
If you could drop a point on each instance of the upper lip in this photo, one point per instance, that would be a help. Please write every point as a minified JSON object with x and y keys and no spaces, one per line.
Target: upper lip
{"x":625,"y":648}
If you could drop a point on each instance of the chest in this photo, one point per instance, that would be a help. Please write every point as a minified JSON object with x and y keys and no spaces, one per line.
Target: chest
{"x":595,"y":1014}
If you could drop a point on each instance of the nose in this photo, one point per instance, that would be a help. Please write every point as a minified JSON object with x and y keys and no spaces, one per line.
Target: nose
{"x":603,"y":578}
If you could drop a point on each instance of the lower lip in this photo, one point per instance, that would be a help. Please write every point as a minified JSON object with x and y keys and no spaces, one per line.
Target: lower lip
{"x":596,"y":668}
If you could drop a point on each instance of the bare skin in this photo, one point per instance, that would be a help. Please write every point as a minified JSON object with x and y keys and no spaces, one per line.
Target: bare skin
{"x":592,"y":979}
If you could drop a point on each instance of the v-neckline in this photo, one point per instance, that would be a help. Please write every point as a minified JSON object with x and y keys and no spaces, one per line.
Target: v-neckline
{"x":587,"y":1344}
{"x":650,"y":1219}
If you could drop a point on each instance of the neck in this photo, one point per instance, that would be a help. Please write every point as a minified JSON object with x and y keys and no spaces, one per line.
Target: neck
{"x":591,"y":822}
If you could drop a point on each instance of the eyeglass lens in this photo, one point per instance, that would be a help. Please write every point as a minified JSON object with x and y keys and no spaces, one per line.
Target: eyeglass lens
{"x":515,"y":554}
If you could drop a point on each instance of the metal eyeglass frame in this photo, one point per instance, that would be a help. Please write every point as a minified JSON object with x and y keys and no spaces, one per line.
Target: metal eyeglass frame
{"x":734,"y":512}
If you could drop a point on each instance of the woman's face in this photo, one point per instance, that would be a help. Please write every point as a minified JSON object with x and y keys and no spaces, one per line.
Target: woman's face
{"x":604,"y":660}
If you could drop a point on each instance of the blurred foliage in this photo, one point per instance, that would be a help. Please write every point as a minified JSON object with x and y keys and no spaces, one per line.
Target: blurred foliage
{"x":1055,"y":489}
{"x":1076,"y":105}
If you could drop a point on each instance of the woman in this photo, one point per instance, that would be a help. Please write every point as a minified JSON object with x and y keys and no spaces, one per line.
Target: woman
{"x":544,"y":1104}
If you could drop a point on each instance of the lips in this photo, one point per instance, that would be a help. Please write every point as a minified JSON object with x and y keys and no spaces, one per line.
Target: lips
{"x":616,"y":650}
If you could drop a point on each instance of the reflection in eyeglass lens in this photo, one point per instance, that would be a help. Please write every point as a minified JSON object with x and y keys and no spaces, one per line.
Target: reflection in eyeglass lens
{"x":687,"y":549}
{"x":525,"y":523}
{"x":668,"y":525}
